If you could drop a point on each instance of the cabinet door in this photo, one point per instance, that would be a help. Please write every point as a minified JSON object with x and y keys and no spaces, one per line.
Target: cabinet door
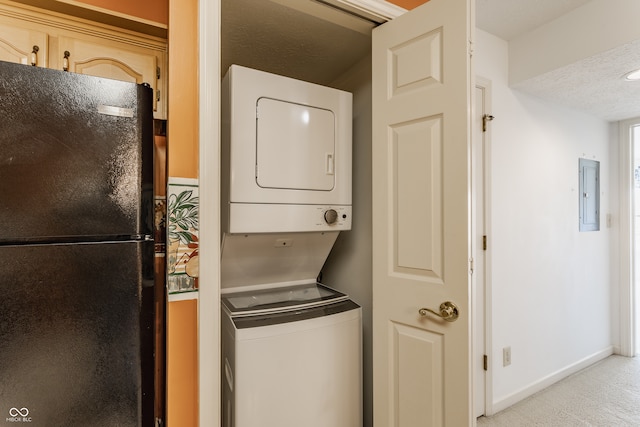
{"x":113,"y":60}
{"x":22,"y":45}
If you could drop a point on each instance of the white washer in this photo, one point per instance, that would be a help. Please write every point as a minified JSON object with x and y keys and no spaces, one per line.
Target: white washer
{"x":291,"y":357}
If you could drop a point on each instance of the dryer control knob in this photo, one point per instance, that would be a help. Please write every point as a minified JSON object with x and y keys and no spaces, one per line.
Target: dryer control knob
{"x":331,"y":216}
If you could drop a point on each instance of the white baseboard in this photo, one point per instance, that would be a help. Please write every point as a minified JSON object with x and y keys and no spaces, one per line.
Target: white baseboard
{"x":550,"y":380}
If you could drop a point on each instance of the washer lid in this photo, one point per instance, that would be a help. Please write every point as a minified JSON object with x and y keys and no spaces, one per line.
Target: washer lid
{"x":280,"y":299}
{"x":272,"y":259}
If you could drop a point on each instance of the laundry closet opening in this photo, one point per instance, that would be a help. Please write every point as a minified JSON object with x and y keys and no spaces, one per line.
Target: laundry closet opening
{"x":313,"y":42}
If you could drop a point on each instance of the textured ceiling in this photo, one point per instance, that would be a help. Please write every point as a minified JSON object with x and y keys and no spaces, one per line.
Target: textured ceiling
{"x":592,"y":85}
{"x":290,"y":40}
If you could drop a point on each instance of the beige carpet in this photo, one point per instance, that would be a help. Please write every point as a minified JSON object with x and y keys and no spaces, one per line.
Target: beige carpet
{"x":605,"y":394}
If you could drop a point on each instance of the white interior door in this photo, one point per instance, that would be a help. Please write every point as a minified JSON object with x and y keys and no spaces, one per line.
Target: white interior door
{"x":422,"y":83}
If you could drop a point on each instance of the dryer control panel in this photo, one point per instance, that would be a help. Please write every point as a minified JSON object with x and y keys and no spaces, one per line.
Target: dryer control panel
{"x":256,"y":218}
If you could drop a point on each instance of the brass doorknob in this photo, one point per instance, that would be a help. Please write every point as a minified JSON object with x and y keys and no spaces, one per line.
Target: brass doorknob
{"x":448,"y":311}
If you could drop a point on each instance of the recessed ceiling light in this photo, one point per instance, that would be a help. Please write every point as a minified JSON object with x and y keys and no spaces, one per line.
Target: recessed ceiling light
{"x":632,"y":75}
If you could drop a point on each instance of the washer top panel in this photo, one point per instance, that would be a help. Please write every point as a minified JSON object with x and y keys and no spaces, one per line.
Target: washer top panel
{"x":280,"y":299}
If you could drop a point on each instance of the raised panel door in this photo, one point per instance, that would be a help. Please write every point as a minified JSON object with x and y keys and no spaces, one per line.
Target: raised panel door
{"x":22,"y":45}
{"x":112,"y":60}
{"x":422,"y":84}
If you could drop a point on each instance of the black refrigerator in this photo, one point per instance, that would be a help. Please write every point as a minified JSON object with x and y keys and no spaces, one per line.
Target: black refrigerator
{"x":76,"y":250}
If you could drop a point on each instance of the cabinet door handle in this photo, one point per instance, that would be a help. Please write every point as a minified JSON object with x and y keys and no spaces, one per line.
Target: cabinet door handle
{"x":65,"y":60}
{"x":34,"y":55}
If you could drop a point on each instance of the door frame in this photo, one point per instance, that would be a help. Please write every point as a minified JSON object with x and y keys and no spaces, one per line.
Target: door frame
{"x":485,"y":85}
{"x":209,"y":48}
{"x":209,"y":371}
{"x":626,"y":239}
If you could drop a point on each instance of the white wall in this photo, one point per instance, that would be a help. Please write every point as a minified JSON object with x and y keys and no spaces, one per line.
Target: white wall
{"x":550,"y":285}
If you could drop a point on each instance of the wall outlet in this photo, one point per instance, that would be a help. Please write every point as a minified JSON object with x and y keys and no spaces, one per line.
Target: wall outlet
{"x":506,"y":356}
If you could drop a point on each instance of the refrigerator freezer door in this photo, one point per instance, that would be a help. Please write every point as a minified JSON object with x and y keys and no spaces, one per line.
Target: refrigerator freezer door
{"x":76,"y":334}
{"x":74,"y":156}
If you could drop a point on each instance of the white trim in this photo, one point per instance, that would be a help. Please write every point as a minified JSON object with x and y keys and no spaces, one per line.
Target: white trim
{"x":182,"y":296}
{"x":379,"y":8}
{"x":182,"y":182}
{"x":551,"y":379}
{"x":209,"y":175}
{"x":627,"y":233}
{"x":339,"y":17}
{"x":84,"y":5}
{"x":488,"y":306}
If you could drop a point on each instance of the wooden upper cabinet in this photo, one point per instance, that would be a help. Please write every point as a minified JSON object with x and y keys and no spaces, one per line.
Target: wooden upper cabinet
{"x":22,"y":45}
{"x":112,"y":60}
{"x":80,"y":46}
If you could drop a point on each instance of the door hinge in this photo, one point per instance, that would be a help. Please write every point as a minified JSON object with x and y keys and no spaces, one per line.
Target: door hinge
{"x":486,"y":118}
{"x":484,"y":243}
{"x":158,"y":95}
{"x":485,"y":362}
{"x":158,"y":73}
{"x":471,"y":265}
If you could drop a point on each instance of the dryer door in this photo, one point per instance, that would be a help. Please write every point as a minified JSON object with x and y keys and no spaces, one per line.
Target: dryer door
{"x":295,"y":146}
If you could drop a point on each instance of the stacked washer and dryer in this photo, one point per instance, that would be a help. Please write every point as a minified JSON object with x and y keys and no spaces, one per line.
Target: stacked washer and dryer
{"x":292,"y":347}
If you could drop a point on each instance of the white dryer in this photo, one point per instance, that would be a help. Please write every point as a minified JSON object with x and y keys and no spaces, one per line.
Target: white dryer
{"x":286,"y":154}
